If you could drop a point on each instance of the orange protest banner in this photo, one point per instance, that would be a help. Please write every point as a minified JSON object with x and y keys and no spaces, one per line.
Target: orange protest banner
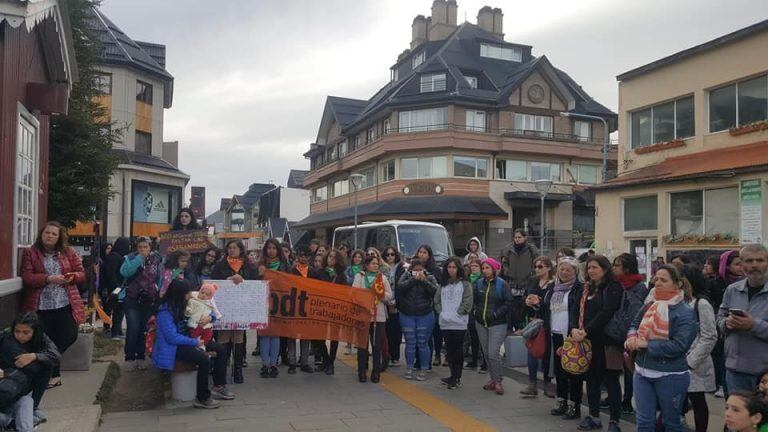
{"x":302,"y":308}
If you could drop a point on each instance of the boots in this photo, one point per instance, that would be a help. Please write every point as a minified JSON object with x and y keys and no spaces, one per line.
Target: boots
{"x":573,"y":412}
{"x":561,"y":406}
{"x":530,"y":391}
{"x":237,"y":368}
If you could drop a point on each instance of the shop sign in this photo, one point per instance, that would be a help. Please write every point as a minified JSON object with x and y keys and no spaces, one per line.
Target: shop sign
{"x":422,"y":188}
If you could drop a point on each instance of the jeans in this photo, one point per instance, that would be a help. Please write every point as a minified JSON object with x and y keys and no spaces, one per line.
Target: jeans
{"x":375,"y":333}
{"x":740,"y":381}
{"x":491,"y":339}
{"x":668,"y":393}
{"x":454,"y":344}
{"x":304,"y":353}
{"x":417,"y":331}
{"x":394,"y":336}
{"x":269,"y":349}
{"x":199,"y":358}
{"x":136,"y":317}
{"x":60,"y":326}
{"x":22,"y":413}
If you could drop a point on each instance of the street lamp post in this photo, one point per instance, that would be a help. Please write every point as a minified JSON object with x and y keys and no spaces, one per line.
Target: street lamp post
{"x":542,"y":186}
{"x":356,"y":180}
{"x":606,"y":138}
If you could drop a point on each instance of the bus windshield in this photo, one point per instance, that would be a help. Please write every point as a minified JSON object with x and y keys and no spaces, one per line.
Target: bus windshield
{"x":413,"y":236}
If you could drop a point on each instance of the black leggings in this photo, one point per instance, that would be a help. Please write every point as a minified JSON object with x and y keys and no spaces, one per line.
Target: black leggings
{"x":60,"y":326}
{"x":376,"y":339}
{"x":700,"y":410}
{"x":199,"y":358}
{"x":454,"y":343}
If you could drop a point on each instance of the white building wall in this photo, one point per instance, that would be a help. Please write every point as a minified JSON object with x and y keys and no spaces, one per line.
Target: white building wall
{"x":294,"y":203}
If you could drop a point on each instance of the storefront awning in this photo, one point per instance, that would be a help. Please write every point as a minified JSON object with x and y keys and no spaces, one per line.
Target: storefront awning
{"x":419,"y":208}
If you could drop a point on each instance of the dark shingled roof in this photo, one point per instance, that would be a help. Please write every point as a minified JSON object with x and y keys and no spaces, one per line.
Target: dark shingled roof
{"x":255,"y":191}
{"x":134,"y":158}
{"x":225,"y":202}
{"x":296,"y":179}
{"x":119,"y":49}
{"x":344,"y":109}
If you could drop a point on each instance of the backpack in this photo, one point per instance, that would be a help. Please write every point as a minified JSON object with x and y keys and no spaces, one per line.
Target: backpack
{"x":13,"y":386}
{"x":617,"y":328}
{"x":150,"y":336}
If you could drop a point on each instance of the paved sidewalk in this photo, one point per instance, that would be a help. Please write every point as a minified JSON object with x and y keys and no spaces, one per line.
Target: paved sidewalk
{"x":70,"y":408}
{"x":319,"y":402}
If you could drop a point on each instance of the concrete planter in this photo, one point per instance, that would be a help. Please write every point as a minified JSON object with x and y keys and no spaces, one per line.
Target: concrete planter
{"x":515,"y":352}
{"x":79,"y":356}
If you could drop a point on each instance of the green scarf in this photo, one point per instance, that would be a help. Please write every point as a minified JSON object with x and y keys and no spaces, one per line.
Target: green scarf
{"x":331,"y":271}
{"x":175,"y":273}
{"x":473,"y":277}
{"x":274,"y":265}
{"x":370,"y":278}
{"x":356,"y":268}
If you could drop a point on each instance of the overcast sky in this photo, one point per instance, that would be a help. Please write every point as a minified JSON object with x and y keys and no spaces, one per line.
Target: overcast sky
{"x":251,"y":77}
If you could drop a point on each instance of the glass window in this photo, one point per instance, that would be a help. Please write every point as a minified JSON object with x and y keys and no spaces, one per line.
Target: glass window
{"x":409,"y":168}
{"x":582,"y":130}
{"x":684,"y":118}
{"x":340,"y":187}
{"x":143,"y":143}
{"x":425,"y":167}
{"x":501,"y":52}
{"x":103,"y":82}
{"x":471,"y":80}
{"x":545,"y":171}
{"x":432,"y":82}
{"x":664,"y":122}
{"x":586,"y":174}
{"x":641,"y":128}
{"x":640,"y":213}
{"x":417,"y":59}
{"x":512,"y":170}
{"x":721,"y":211}
{"x":423,"y":120}
{"x":687,"y":212}
{"x":529,"y":122}
{"x":470,"y":167}
{"x":320,"y":194}
{"x":369,"y":178}
{"x":388,"y":171}
{"x":342,"y":149}
{"x":144,"y":92}
{"x":722,"y":108}
{"x":386,"y":126}
{"x":475,"y":121}
{"x":27,"y":145}
{"x":753,"y":100}
{"x":331,"y":153}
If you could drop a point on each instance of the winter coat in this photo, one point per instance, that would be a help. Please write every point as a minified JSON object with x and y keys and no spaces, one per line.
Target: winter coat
{"x":415,"y":297}
{"x":143,"y":275}
{"x":598,"y":311}
{"x":632,"y":301}
{"x":222,"y":270}
{"x":517,"y":267}
{"x":33,"y":276}
{"x":533,"y":288}
{"x":746,"y":351}
{"x":699,"y":357}
{"x":669,"y":355}
{"x":573,"y":296}
{"x":49,"y":356}
{"x":169,"y":335}
{"x":112,"y":278}
{"x":338,"y":278}
{"x":491,"y":302}
{"x":381,"y":306}
{"x":453,"y":311}
{"x":480,"y":254}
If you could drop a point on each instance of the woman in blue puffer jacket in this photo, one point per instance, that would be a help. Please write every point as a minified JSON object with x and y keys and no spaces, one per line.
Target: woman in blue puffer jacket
{"x":172,"y":344}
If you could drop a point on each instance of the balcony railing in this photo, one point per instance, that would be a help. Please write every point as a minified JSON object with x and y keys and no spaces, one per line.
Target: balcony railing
{"x":521,"y":133}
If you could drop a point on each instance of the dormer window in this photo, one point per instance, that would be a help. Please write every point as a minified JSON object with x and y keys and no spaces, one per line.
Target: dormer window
{"x":501,"y":52}
{"x":432,"y":82}
{"x":471,"y":80}
{"x":417,"y":60}
{"x":394,"y":75}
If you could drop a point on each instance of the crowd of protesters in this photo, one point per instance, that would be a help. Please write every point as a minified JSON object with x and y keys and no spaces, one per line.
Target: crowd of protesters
{"x":692,"y":329}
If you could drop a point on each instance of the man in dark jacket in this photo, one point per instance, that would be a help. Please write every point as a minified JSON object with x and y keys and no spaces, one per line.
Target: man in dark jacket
{"x":517,"y":266}
{"x":112,"y":280}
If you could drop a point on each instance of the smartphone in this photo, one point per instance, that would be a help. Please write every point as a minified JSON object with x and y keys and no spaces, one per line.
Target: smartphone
{"x":736,"y":312}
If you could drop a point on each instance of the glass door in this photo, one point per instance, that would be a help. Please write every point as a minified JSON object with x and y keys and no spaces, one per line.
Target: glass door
{"x":646,"y":251}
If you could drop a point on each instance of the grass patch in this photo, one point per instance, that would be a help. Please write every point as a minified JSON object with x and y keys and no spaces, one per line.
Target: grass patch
{"x":110,"y":379}
{"x":104,"y":346}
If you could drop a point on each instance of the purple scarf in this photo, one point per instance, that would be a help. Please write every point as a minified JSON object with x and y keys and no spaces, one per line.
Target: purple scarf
{"x":725,"y":272}
{"x":560,"y":290}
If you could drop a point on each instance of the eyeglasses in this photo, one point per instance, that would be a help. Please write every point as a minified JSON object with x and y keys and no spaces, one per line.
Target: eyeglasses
{"x":373,"y":254}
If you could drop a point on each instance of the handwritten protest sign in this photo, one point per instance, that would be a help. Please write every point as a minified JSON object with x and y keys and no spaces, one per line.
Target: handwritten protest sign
{"x":242,"y":306}
{"x":302,"y":308}
{"x":193,"y":241}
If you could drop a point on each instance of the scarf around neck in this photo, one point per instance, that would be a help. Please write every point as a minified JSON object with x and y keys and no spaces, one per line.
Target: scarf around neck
{"x":303,"y":269}
{"x":473,"y":277}
{"x":655,"y":322}
{"x":628,"y":281}
{"x":356,"y":268}
{"x":559,"y":291}
{"x":370,"y":278}
{"x":274,"y":264}
{"x":331,"y":271}
{"x":235,"y":264}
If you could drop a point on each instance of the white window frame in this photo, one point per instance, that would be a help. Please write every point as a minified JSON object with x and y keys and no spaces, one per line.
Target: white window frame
{"x":364,"y":184}
{"x":471,"y":80}
{"x":432,"y":82}
{"x":500,"y":52}
{"x":386,"y":126}
{"x":580,"y":137}
{"x":418,"y":59}
{"x":432,"y":168}
{"x":25,"y":116}
{"x":536,"y":123}
{"x":674,"y":113}
{"x":324,"y":196}
{"x":383,"y":177}
{"x":529,"y":169}
{"x":577,"y":168}
{"x":343,"y":149}
{"x":736,"y":107}
{"x":407,"y":118}
{"x":475,"y":115}
{"x":477,"y":160}
{"x":703,"y":192}
{"x":340,"y":182}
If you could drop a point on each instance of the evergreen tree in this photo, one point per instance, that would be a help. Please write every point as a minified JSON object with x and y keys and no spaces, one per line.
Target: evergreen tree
{"x":81,"y":160}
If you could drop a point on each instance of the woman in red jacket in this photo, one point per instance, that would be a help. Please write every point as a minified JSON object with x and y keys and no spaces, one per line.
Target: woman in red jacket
{"x":51,"y":270}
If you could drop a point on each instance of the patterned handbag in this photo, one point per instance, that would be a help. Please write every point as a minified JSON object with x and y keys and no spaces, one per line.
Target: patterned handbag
{"x":575,"y":357}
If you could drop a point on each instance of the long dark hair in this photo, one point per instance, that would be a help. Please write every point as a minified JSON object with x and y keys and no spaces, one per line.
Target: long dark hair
{"x":628,"y":263}
{"x":393,"y":249}
{"x":608,"y":277}
{"x":176,"y":298}
{"x":173,"y":259}
{"x":122,"y":246}
{"x":37,"y":343}
{"x":193,"y":225}
{"x":201,"y":264}
{"x":714,"y":262}
{"x":693,"y":274}
{"x":240,"y":246}
{"x":459,"y":268}
{"x":61,"y":244}
{"x":263,"y":259}
{"x":430,"y":264}
{"x":340,"y":265}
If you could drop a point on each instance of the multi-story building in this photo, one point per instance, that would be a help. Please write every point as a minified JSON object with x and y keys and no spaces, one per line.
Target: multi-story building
{"x":136,"y":87}
{"x":693,"y":152}
{"x":465,"y":126}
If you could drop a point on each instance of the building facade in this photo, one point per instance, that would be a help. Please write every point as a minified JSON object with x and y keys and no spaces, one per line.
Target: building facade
{"x":136,"y":90}
{"x":458,"y":136}
{"x":37,"y":68}
{"x":693,"y":152}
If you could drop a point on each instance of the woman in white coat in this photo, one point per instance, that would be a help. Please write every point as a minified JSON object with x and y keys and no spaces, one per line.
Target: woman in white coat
{"x":699,"y":357}
{"x":367,"y":279}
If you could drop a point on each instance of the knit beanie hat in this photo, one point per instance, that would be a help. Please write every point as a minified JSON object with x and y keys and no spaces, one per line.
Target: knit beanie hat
{"x":495,"y":265}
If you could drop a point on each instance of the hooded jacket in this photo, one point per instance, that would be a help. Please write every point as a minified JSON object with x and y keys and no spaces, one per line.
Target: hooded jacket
{"x":415,"y":297}
{"x":480,"y":254}
{"x":491,"y":302}
{"x":518,"y":265}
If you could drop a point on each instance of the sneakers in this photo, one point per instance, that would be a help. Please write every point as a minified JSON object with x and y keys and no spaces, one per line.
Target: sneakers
{"x":613,"y":426}
{"x":626,"y":408}
{"x":394,"y":363}
{"x":720,"y":393}
{"x":573,"y":412}
{"x":273,"y":372}
{"x":454,"y":384}
{"x":307,"y":369}
{"x":498,"y":388}
{"x":561,"y":406}
{"x":470,"y":365}
{"x":39,"y":417}
{"x":489,"y":385}
{"x":291,"y":369}
{"x":222,"y":393}
{"x":408,"y":374}
{"x":129,"y":366}
{"x":348,"y":350}
{"x":529,"y":391}
{"x":483,"y":369}
{"x":421,"y":375}
{"x":207,"y":404}
{"x":589,"y":423}
{"x":264,"y":372}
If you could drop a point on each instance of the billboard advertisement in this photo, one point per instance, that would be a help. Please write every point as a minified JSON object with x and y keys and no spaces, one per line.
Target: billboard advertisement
{"x":154,"y":203}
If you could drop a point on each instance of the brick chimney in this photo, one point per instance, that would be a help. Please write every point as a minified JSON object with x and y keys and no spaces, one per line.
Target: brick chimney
{"x":491,"y":20}
{"x":419,"y":29}
{"x":443,"y":19}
